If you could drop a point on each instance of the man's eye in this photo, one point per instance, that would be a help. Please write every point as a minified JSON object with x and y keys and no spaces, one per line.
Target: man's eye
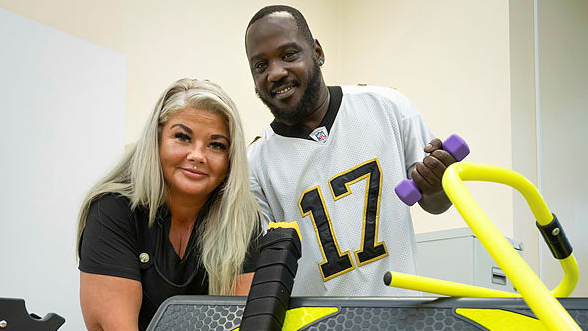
{"x":290,"y":56}
{"x":218,"y":145}
{"x":259,"y":67}
{"x":182,"y":136}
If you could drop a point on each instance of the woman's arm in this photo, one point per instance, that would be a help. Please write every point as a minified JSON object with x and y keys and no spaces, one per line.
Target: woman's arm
{"x":110,"y":303}
{"x":244,"y":283}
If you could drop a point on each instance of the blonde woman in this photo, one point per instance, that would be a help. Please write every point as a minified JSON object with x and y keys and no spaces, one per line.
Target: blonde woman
{"x":175,"y":216}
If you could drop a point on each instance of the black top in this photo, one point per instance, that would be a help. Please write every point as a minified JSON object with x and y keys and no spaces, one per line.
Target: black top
{"x":117,"y":241}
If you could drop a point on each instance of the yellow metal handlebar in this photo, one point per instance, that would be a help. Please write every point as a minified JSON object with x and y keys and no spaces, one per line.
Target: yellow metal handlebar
{"x":443,"y":287}
{"x":541,"y":301}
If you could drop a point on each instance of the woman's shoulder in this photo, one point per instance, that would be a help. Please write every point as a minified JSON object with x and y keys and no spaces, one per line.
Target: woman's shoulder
{"x":112,"y":198}
{"x":111,"y":207}
{"x":109,"y":244}
{"x":111,"y":201}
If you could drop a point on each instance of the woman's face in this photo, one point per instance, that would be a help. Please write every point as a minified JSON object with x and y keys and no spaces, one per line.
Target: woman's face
{"x":194,"y":152}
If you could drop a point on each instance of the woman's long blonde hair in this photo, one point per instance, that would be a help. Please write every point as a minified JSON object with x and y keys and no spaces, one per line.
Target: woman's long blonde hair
{"x":233,"y":215}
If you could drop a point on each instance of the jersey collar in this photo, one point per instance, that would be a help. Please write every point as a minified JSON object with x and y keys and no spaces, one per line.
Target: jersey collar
{"x":300,"y":131}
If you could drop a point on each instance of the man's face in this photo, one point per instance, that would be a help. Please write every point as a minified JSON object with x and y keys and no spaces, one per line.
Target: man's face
{"x":284,"y":67}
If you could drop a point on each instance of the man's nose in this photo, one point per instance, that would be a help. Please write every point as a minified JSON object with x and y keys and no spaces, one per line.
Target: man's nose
{"x":276,"y":71}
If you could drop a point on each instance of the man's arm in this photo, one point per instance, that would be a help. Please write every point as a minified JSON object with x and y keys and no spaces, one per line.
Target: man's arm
{"x":428,"y":174}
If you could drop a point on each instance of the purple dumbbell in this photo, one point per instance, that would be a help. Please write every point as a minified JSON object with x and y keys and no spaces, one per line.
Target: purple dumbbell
{"x":407,"y":190}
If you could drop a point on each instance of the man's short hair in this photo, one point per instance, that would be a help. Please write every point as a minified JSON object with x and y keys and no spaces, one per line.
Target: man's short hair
{"x":300,"y":21}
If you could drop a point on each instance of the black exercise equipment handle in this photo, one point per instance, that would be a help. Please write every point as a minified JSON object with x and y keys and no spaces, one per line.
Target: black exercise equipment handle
{"x":269,"y":297}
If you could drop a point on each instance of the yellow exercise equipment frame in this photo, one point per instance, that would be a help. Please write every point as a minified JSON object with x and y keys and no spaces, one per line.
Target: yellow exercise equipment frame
{"x":541,"y":301}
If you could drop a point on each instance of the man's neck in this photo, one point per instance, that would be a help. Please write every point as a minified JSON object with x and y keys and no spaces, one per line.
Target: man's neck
{"x":315,"y":119}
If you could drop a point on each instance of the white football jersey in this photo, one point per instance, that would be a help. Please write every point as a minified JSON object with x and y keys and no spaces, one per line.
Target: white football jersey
{"x":337,"y":182}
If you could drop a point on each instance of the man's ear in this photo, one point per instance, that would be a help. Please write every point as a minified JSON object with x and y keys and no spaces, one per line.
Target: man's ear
{"x":318,"y":51}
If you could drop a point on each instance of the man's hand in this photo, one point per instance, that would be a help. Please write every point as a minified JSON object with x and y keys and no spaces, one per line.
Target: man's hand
{"x":428,"y":174}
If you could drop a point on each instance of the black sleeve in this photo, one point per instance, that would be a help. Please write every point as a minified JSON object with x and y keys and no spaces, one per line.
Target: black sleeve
{"x":109,"y":244}
{"x":252,"y":253}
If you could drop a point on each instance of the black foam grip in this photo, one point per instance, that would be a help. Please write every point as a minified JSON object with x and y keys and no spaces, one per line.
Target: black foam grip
{"x":281,"y":238}
{"x":274,"y":273}
{"x":278,"y":257}
{"x":267,"y":306}
{"x":556,"y":239}
{"x":261,"y":323}
{"x":272,"y":283}
{"x":273,"y":289}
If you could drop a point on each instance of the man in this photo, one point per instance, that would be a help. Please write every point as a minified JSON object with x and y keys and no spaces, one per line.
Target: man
{"x":331,"y":159}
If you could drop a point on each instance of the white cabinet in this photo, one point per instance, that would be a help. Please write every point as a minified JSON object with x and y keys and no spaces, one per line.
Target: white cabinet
{"x":457,"y":255}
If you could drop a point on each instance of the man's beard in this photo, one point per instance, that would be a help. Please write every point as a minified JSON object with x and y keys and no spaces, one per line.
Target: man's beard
{"x":305,"y":106}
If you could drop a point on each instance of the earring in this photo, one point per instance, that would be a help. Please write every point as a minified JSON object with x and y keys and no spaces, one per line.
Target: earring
{"x":321,"y":62}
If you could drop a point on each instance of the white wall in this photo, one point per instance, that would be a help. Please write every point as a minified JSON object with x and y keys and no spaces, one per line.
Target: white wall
{"x":61,"y":126}
{"x":165,"y":41}
{"x":563,"y":55}
{"x":550,"y":113}
{"x":523,"y":116}
{"x":451,"y":58}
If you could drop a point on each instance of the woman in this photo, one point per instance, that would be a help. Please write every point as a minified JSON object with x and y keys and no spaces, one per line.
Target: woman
{"x":175,"y":216}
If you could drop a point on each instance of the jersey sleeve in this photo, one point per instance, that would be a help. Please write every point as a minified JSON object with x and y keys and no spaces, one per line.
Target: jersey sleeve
{"x":414,"y":132}
{"x":262,"y":201}
{"x":252,"y":156}
{"x":415,"y":137}
{"x":109,"y":242}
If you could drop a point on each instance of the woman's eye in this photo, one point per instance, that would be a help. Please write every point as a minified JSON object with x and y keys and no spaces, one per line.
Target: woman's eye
{"x":182,"y":136}
{"x":218,"y":145}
